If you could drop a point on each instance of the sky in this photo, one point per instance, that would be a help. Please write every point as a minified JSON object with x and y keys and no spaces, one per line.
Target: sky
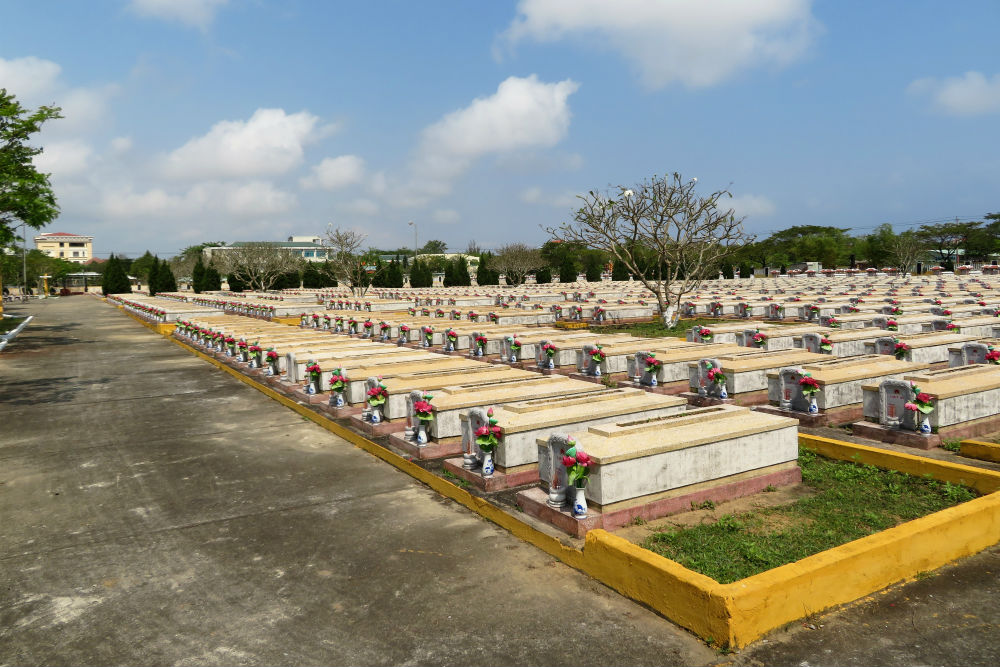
{"x":250,"y":120}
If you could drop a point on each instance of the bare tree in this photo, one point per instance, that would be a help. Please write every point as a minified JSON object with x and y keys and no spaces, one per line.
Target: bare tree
{"x":516,"y":260}
{"x":258,"y":265}
{"x":666,"y":235}
{"x":346,"y":262}
{"x":905,"y":249}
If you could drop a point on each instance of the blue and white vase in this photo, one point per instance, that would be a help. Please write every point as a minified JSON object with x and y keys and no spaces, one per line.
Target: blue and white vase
{"x":722,"y":391}
{"x":337,"y":399}
{"x":925,"y":425}
{"x":421,"y":436}
{"x":580,"y":503}
{"x":376,"y":416}
{"x":652,"y":379}
{"x":488,"y":467}
{"x":813,"y":408}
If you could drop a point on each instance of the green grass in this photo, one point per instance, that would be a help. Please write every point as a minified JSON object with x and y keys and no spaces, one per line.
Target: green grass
{"x":952,"y":445}
{"x":454,"y":479}
{"x":850,"y":501}
{"x":656,"y":328}
{"x":9,"y":323}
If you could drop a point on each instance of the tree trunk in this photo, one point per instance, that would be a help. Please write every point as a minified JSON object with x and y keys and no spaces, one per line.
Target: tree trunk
{"x":671,"y":315}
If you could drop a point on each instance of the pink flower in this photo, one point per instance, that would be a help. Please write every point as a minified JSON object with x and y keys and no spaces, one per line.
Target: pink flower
{"x":568,"y":461}
{"x":912,"y":407}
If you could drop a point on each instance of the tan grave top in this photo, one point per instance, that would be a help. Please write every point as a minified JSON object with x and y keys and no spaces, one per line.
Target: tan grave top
{"x":862,"y":367}
{"x":702,"y":351}
{"x":550,"y":412}
{"x":435,"y":379}
{"x":544,"y":386}
{"x":763,"y":360}
{"x":396,"y":366}
{"x":631,"y":439}
{"x":950,"y":382}
{"x":651,"y":344}
{"x":845,"y":335}
{"x":795,"y":330}
{"x":739,"y":327}
{"x":933,"y":338}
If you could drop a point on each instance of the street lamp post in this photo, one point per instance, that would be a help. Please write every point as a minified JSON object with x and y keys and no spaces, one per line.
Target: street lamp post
{"x":24,"y":261}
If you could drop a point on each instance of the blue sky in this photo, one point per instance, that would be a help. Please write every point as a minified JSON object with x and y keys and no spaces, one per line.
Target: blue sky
{"x":196,"y":120}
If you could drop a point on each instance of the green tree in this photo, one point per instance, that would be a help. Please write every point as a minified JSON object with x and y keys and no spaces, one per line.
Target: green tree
{"x":167,"y":281}
{"x":311,"y":279}
{"x":543,"y":276}
{"x":420,"y":274}
{"x":212,"y":281}
{"x":947,"y":239}
{"x":568,"y":270}
{"x":153,"y":276}
{"x":114,"y":280}
{"x":434,"y":247}
{"x":141,"y":267}
{"x":198,"y":276}
{"x":619,"y":271}
{"x":394,"y":274}
{"x":26,"y":195}
{"x":593,"y":265}
{"x":485,"y":275}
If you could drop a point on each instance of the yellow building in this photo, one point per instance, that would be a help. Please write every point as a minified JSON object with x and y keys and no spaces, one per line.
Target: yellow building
{"x":71,"y":247}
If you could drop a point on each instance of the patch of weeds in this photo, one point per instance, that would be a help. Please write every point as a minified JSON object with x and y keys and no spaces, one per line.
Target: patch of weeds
{"x":454,"y":479}
{"x":924,"y":574}
{"x":9,"y":323}
{"x":952,"y":444}
{"x":770,"y":488}
{"x":638,"y":521}
{"x":608,"y":382}
{"x":850,"y":500}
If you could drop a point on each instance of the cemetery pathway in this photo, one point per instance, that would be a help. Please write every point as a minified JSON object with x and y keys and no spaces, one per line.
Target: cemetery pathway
{"x":154,"y":510}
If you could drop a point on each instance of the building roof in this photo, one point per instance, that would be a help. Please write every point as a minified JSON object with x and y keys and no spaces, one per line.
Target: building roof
{"x":279,"y":244}
{"x":59,"y":234}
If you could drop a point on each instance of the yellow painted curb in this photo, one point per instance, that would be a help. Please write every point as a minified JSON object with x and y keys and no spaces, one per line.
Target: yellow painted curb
{"x":738,"y":613}
{"x":978,"y":449}
{"x":294,"y":321}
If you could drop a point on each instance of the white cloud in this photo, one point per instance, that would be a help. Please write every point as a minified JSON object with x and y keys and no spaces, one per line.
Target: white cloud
{"x":64,"y":158}
{"x":335,"y":172}
{"x":695,"y":43}
{"x":249,"y":200}
{"x":361,"y":206}
{"x":270,"y":142}
{"x":121,"y":144}
{"x":523,"y":113}
{"x":751,"y":206}
{"x":195,"y":13}
{"x":967,"y":95}
{"x":445,"y":216}
{"x":29,"y":78}
{"x":536,"y":195}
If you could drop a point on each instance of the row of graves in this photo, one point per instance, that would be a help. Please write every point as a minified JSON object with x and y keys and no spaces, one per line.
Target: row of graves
{"x":598,"y":432}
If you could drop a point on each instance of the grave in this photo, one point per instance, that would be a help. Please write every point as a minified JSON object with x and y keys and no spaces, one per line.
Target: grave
{"x":745,"y":375}
{"x":522,"y":423}
{"x":928,"y":348}
{"x":650,"y":468}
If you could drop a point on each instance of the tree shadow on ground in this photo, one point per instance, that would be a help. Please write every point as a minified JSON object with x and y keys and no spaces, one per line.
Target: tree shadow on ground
{"x":45,"y":390}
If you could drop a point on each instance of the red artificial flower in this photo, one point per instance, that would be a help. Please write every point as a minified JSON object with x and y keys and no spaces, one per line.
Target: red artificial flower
{"x":924,"y":397}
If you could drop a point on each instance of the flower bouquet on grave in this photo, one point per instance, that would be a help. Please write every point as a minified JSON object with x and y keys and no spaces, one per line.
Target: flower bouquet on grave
{"x":303,"y":319}
{"x":900,"y":349}
{"x":424,"y":412}
{"x":549,"y":350}
{"x":515,"y":347}
{"x":596,"y":357}
{"x":404,"y":334}
{"x":456,"y":314}
{"x":326,"y":321}
{"x":313,"y":372}
{"x":487,"y":438}
{"x":377,"y":397}
{"x":992,"y":356}
{"x":759,"y":339}
{"x":653,"y":366}
{"x":383,"y":329}
{"x":337,"y":383}
{"x":473,"y":316}
{"x":451,"y":336}
{"x":946,"y":312}
{"x":428,"y":332}
{"x":922,"y":403}
{"x":241,"y":347}
{"x":599,"y":314}
{"x":315,"y":320}
{"x":892,"y":325}
{"x":352,"y":326}
{"x":439,"y":312}
{"x":230,"y":345}
{"x":480,"y":345}
{"x":426,"y":312}
{"x":951,"y":326}
{"x":833,"y":323}
{"x":368,"y":306}
{"x":980,"y":303}
{"x":705,"y":334}
{"x":825,"y":344}
{"x":896,"y":310}
{"x":369,"y":326}
{"x":689,"y":308}
{"x":494,"y":317}
{"x":255,"y":355}
{"x":578,"y":464}
{"x":938,"y":302}
{"x":809,"y":387}
{"x":717,"y":378}
{"x":411,"y":311}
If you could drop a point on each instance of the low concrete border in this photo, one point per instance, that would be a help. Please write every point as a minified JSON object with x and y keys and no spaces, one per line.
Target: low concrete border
{"x":738,"y":613}
{"x":979,"y":449}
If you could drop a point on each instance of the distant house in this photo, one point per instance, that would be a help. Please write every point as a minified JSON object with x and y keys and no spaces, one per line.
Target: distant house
{"x":309,"y":248}
{"x":71,"y":247}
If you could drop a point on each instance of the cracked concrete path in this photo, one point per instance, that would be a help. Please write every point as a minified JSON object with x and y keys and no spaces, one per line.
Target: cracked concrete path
{"x":154,"y":510}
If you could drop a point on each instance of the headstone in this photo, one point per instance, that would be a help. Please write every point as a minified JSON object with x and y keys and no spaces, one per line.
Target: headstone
{"x":885,"y":345}
{"x":894,"y":395}
{"x":471,"y":453}
{"x":707,"y":387}
{"x":551,"y":470}
{"x":811,"y":342}
{"x":792,"y":397}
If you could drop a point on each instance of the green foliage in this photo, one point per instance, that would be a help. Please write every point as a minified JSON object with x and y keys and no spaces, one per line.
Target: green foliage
{"x":850,"y":501}
{"x":619,"y":272}
{"x":141,"y":267}
{"x":212,"y":281}
{"x":153,"y":278}
{"x":434,"y":247}
{"x":167,"y":281}
{"x":235,"y":284}
{"x":420,"y":274}
{"x":568,"y":270}
{"x":593,"y":265}
{"x":485,"y":275}
{"x":543,"y":276}
{"x":456,"y":273}
{"x":311,"y":278}
{"x":26,"y":194}
{"x":114,"y":280}
{"x":394,"y":274}
{"x":287,"y":280}
{"x":198,"y":276}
